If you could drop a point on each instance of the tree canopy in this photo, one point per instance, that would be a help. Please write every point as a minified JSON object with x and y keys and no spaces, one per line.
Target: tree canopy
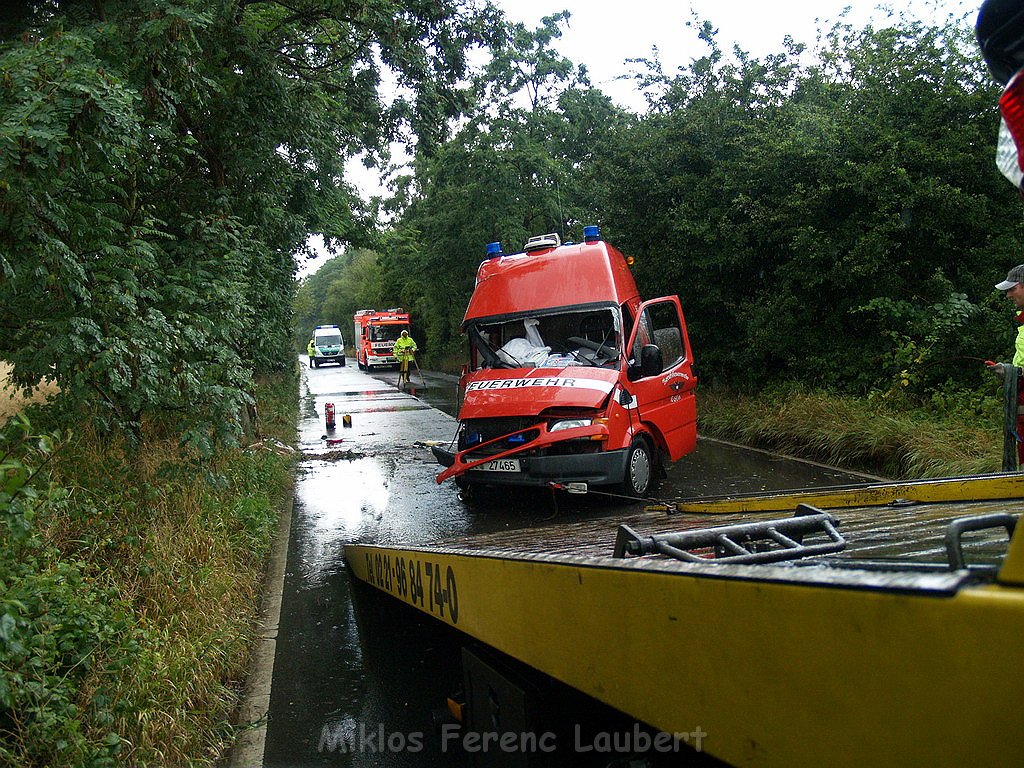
{"x":830,"y":216}
{"x":164,"y":161}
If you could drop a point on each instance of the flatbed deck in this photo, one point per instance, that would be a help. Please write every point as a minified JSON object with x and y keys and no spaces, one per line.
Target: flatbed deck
{"x":887,"y":649}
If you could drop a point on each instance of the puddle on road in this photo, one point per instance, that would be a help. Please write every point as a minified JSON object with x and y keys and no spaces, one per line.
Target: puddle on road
{"x":406,"y":406}
{"x":341,"y":501}
{"x":385,"y":497}
{"x":372,"y":393}
{"x":339,"y":496}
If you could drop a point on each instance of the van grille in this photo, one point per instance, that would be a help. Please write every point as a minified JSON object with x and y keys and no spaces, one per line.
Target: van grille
{"x":476,"y":431}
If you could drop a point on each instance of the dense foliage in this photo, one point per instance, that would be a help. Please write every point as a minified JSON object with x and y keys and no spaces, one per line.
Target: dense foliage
{"x":833,"y":223}
{"x":829,"y":216}
{"x":128,"y":606}
{"x":56,"y":628}
{"x":162,"y":164}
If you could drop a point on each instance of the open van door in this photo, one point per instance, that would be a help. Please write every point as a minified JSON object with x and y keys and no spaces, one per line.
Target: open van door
{"x":660,"y":373}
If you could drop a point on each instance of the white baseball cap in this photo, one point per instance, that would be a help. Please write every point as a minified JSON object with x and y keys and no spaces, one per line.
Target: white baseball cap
{"x":1014,"y":276}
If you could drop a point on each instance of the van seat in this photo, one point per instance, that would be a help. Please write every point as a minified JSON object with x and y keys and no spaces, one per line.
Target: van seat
{"x":670,"y":343}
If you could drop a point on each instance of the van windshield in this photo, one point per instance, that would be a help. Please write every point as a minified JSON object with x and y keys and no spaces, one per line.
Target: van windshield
{"x":333,"y":340}
{"x":554,"y":339}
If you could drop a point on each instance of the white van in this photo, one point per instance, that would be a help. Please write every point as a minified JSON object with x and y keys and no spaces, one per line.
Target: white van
{"x":328,"y":346}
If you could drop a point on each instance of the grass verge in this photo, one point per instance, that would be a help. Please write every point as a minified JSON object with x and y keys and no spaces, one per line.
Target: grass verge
{"x":129,"y":593}
{"x":856,"y":433}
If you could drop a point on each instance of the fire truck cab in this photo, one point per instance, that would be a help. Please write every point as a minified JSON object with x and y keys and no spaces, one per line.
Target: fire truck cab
{"x":375,"y":335}
{"x":571,"y":377}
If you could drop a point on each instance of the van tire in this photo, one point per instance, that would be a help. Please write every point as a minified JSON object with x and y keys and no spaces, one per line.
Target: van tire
{"x":640,"y":469}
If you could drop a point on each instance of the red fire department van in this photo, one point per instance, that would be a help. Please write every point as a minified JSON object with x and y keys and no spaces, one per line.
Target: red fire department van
{"x":571,"y":377}
{"x":375,"y":335}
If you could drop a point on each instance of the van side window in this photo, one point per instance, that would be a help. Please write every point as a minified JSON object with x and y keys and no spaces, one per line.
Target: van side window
{"x":659,"y":324}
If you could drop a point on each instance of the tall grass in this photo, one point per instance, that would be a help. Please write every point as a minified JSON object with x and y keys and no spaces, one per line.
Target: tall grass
{"x":177,"y":551}
{"x":857,"y":433}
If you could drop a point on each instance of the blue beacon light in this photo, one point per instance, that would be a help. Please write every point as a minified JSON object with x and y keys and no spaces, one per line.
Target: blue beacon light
{"x":591,"y":234}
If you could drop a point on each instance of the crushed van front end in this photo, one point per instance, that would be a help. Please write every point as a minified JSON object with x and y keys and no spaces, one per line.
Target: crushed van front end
{"x":570,"y":376}
{"x":524,"y":451}
{"x":537,"y":427}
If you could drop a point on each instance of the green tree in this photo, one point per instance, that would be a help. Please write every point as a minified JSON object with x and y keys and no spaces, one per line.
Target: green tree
{"x":162,"y":163}
{"x":505,"y":175}
{"x":784,"y":199}
{"x":333,"y":294}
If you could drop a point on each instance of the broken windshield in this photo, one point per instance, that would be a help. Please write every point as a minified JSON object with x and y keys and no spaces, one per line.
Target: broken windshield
{"x":553,"y":339}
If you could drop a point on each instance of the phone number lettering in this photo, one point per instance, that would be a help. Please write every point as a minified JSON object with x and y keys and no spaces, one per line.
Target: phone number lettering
{"x":422,"y":583}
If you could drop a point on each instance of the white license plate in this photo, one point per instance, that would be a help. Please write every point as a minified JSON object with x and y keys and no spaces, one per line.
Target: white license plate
{"x":501,"y":465}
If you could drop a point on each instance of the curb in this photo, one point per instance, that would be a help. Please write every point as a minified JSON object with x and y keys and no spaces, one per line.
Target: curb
{"x":253,"y":712}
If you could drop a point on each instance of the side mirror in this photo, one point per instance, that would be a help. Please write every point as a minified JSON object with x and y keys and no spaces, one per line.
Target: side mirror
{"x":650,"y":363}
{"x":650,"y":360}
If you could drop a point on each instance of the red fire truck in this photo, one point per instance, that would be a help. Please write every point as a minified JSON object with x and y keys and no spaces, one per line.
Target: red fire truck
{"x":375,"y":335}
{"x":571,"y":378}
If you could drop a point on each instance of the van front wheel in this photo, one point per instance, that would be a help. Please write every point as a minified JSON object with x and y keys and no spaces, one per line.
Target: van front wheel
{"x":639,"y":468}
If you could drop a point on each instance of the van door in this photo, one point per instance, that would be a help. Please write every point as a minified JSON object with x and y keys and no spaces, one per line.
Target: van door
{"x":665,"y":400}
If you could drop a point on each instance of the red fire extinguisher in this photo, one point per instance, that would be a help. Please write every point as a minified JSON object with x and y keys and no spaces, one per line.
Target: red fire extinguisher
{"x":329,"y":414}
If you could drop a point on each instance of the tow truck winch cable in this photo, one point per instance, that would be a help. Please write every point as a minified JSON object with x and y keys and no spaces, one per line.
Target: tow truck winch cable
{"x":582,"y":488}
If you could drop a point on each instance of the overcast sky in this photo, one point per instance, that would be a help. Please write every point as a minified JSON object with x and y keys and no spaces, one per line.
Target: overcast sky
{"x":603,"y":39}
{"x":602,"y":36}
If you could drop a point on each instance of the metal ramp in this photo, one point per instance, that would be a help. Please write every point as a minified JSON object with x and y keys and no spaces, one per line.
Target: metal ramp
{"x":762,"y":541}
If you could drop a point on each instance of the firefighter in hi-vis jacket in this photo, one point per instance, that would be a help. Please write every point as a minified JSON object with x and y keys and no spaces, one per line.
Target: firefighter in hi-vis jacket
{"x":405,"y":351}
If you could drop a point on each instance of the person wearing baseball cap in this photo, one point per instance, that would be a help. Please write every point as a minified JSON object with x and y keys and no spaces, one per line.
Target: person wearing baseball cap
{"x":1013,"y":287}
{"x":1013,"y":278}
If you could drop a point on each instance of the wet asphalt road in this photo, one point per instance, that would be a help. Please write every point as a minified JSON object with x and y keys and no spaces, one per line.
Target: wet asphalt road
{"x":355,"y":667}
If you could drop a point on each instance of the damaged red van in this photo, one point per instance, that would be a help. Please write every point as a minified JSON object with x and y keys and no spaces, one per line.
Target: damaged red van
{"x":571,"y":377}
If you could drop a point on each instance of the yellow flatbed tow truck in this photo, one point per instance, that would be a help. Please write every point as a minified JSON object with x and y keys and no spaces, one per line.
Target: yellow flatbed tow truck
{"x":868,"y":625}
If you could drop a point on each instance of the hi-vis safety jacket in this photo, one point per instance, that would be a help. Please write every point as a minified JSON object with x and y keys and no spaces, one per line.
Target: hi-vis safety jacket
{"x":311,"y":348}
{"x":404,"y":348}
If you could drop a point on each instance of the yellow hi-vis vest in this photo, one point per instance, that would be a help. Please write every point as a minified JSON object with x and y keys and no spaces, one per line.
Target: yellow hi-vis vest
{"x":404,"y":348}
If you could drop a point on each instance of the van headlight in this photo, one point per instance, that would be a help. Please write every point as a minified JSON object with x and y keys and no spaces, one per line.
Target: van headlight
{"x":558,"y":426}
